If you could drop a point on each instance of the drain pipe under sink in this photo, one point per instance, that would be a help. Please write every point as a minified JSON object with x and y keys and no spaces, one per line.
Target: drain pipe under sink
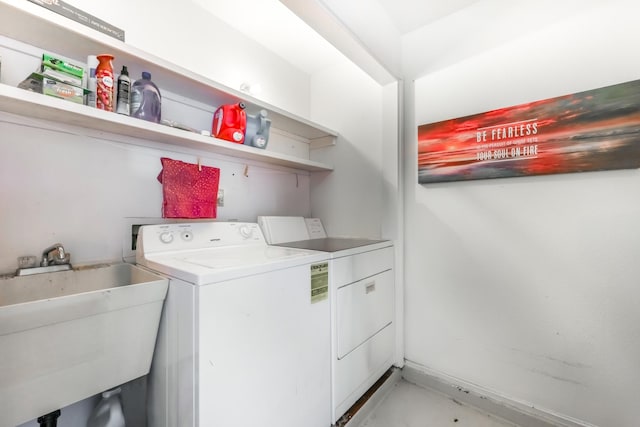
{"x":49,"y":420}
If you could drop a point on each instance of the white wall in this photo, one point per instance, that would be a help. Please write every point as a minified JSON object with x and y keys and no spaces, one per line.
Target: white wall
{"x":189,"y":35}
{"x":525,"y":287}
{"x":393,"y":200}
{"x":350,"y":199}
{"x":81,"y":188}
{"x":84,"y":188}
{"x":361,"y":197}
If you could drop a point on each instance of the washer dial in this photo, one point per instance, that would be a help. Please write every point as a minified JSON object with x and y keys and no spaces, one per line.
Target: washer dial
{"x":166,"y":237}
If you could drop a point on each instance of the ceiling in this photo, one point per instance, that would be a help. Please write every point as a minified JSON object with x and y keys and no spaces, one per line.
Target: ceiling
{"x":273,"y":25}
{"x":314,"y":34}
{"x":409,"y":15}
{"x":311,"y":34}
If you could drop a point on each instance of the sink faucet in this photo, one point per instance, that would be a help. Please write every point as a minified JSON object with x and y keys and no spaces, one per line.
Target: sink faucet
{"x":55,"y":254}
{"x":54,"y":258}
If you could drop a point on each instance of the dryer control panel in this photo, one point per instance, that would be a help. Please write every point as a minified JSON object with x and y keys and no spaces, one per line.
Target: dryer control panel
{"x":197,"y":235}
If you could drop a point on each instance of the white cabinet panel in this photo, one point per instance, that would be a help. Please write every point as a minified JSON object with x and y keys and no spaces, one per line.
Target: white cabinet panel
{"x":363,"y":308}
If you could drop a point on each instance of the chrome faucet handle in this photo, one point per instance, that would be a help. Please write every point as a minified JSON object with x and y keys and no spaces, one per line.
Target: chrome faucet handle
{"x":55,"y":254}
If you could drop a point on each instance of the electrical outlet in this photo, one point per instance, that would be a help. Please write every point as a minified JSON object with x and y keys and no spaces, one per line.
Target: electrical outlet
{"x":220,"y":198}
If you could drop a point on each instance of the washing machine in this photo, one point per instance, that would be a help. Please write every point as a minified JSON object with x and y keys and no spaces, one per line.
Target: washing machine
{"x":244,"y":337}
{"x":362,"y":295}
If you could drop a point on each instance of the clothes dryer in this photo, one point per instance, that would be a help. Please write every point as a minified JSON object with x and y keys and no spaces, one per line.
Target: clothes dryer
{"x":361,"y":289}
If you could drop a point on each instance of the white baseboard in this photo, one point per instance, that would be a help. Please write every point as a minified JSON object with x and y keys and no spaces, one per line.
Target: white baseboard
{"x":470,"y":394}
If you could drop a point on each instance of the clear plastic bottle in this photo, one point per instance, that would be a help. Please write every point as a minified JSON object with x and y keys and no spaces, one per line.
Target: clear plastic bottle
{"x":146,"y":99}
{"x":108,"y":412}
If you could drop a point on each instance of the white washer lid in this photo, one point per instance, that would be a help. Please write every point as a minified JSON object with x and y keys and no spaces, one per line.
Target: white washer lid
{"x":215,"y":265}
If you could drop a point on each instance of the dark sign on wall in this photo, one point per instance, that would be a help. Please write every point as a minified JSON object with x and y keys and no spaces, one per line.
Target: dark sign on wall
{"x":62,"y":8}
{"x":588,"y":131}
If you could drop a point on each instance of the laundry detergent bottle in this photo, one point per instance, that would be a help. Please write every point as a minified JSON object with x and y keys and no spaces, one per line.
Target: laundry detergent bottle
{"x":108,"y":412}
{"x":230,"y":122}
{"x":146,"y":99}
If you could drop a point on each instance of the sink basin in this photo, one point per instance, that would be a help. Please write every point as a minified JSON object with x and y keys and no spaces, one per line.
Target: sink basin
{"x":68,"y":335}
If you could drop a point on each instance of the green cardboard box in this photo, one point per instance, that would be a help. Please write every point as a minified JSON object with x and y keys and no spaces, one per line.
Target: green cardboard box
{"x":60,"y":70}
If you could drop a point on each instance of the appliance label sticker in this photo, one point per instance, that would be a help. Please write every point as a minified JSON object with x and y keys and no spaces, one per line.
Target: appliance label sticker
{"x":319,"y":282}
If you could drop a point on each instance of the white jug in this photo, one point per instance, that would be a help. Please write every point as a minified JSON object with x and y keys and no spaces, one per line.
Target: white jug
{"x":108,"y":412}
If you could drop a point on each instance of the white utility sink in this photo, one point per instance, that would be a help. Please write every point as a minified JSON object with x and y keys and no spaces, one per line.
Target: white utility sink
{"x":69,"y":335}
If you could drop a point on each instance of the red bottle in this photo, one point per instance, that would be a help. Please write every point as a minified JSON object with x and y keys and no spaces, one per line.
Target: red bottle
{"x":230,"y":123}
{"x":105,"y":83}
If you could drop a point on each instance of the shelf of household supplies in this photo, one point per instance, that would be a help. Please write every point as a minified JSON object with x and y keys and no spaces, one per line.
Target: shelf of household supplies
{"x":31,"y":104}
{"x":34,"y":25}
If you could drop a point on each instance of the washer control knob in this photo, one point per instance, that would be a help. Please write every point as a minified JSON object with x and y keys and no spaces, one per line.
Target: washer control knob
{"x":166,"y":237}
{"x":187,"y":236}
{"x":246,"y":231}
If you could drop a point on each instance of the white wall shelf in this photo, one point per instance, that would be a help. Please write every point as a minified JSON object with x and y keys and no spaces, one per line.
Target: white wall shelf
{"x":34,"y":25}
{"x":26,"y":103}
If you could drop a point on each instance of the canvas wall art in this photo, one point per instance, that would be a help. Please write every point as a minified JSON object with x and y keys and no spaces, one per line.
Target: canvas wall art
{"x":594,"y":130}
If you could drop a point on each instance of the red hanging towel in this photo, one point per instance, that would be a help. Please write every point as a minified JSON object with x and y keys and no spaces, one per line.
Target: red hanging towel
{"x":188,"y":190}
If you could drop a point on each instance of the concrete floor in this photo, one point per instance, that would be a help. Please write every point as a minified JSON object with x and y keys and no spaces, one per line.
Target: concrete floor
{"x":408,"y":405}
